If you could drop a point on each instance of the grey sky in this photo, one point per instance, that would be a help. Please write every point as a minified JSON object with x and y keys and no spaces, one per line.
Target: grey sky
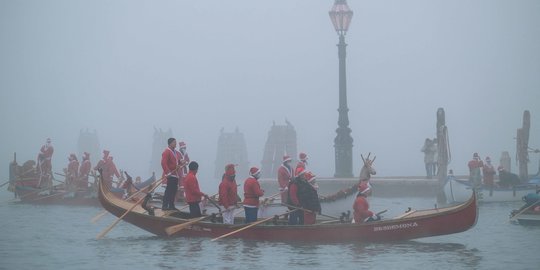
{"x":123,"y":67}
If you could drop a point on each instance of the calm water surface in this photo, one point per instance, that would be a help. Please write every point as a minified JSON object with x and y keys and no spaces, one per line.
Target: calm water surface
{"x":60,"y":237}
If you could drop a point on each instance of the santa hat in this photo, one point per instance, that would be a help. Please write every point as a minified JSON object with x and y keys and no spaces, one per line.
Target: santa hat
{"x":254,"y":171}
{"x":286,"y":158}
{"x":309,"y":176}
{"x":364,"y":187}
{"x":229,"y":170}
{"x":302,"y":156}
{"x":182,"y":145}
{"x":299,"y":171}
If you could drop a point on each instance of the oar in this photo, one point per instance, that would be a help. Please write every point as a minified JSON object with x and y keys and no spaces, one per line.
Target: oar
{"x":524,"y":210}
{"x":214,"y":203}
{"x":270,"y":198}
{"x":307,"y":210}
{"x":5,"y":183}
{"x":176,"y":228}
{"x":187,"y":205}
{"x":252,"y":224}
{"x":405,"y":214}
{"x":104,"y":232}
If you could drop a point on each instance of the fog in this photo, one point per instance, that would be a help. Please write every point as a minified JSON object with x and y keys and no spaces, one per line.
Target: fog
{"x":125,"y":67}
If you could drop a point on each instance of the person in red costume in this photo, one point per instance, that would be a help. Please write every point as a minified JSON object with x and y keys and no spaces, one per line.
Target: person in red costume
{"x":193,"y":193}
{"x":228,"y":193}
{"x":361,"y":205}
{"x":84,"y":171}
{"x":44,"y":163}
{"x":489,"y":173}
{"x":302,"y":161}
{"x":170,"y":159}
{"x":309,"y":199}
{"x":252,"y":193}
{"x":183,"y":161}
{"x":475,"y":173}
{"x":108,"y":168}
{"x":295,"y":217}
{"x":284,"y":175}
{"x":72,"y":176}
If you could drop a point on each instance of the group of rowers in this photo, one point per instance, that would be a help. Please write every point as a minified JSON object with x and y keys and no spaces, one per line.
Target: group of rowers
{"x":297,"y":188}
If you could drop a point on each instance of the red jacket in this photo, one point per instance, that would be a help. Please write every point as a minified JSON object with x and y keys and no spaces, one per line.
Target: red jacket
{"x":293,"y":189}
{"x":474,"y":164}
{"x":169,"y":162}
{"x":284,"y":176}
{"x":47,"y":151}
{"x":252,"y":192}
{"x":73,"y":168}
{"x":84,"y":170}
{"x":361,"y":209}
{"x":228,"y":192}
{"x":191,"y":188}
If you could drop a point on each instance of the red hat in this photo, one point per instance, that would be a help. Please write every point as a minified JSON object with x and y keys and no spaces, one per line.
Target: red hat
{"x":254,"y":171}
{"x":302,"y":156}
{"x":299,"y":171}
{"x":182,"y":144}
{"x":364,"y":187}
{"x":309,"y":176}
{"x":286,"y":158}
{"x":229,"y":170}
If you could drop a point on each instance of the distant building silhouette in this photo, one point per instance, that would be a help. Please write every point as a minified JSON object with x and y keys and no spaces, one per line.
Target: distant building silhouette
{"x":232,"y":149}
{"x":89,"y":142}
{"x":281,"y":141}
{"x":159,"y":143}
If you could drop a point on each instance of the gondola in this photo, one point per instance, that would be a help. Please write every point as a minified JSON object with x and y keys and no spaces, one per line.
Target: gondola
{"x":58,"y":195}
{"x":415,"y":224}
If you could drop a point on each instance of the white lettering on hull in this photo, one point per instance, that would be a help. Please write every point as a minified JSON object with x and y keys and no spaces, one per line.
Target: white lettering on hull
{"x":395,"y":227}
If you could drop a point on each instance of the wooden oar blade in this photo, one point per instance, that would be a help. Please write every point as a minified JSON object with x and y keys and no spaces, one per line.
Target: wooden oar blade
{"x":99,"y":216}
{"x":176,"y":228}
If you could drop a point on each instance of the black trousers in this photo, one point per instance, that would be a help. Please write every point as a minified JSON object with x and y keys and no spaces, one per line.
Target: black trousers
{"x":170,"y":193}
{"x":194,"y":209}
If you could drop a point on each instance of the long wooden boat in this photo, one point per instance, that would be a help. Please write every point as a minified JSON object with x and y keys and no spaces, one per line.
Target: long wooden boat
{"x":458,"y":191}
{"x":416,"y":224}
{"x":58,"y":195}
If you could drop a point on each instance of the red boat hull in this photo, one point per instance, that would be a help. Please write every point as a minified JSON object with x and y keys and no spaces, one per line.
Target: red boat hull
{"x":423,"y":223}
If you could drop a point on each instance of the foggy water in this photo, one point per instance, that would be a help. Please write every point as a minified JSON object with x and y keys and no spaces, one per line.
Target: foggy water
{"x":60,"y":237}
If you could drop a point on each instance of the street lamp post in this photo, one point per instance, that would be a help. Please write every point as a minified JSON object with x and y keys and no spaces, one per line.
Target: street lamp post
{"x":341,"y":16}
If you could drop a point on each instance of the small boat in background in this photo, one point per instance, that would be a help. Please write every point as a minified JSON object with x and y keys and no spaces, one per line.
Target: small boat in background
{"x":528,"y":214}
{"x":458,"y":191}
